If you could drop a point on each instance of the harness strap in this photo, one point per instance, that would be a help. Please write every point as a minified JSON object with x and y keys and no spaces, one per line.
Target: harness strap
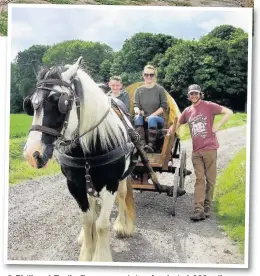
{"x":94,"y":161}
{"x":76,"y":137}
{"x":52,"y":82}
{"x":46,"y":130}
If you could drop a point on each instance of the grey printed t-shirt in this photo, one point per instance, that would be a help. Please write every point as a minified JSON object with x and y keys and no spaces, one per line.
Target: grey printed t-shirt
{"x":150,"y":99}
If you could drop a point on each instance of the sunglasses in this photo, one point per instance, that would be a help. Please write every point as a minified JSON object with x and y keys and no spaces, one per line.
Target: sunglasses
{"x":149,"y":75}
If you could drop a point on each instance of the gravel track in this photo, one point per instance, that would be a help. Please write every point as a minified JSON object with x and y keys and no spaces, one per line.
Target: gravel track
{"x":44,"y":221}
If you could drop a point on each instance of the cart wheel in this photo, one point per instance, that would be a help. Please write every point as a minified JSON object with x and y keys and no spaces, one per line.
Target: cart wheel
{"x":176,"y":180}
{"x":182,"y":168}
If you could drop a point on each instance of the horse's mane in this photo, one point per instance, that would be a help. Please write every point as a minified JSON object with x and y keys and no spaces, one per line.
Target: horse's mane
{"x":111,"y":131}
{"x":94,"y":105}
{"x":50,"y":73}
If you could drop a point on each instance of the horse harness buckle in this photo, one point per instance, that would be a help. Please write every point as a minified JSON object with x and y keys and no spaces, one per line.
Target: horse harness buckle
{"x":89,"y":184}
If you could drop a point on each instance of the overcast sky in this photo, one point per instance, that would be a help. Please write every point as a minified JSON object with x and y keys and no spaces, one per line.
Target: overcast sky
{"x":47,"y":25}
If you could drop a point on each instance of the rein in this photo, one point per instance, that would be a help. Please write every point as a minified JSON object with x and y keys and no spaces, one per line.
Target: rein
{"x":75,"y":139}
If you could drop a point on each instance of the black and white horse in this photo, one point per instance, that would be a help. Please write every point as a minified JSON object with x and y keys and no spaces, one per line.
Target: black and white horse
{"x":73,"y":118}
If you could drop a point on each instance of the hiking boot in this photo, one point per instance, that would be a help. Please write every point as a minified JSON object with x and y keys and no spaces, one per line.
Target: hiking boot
{"x":140,"y":130}
{"x":152,"y":136}
{"x":207,"y":212}
{"x":197,"y":215}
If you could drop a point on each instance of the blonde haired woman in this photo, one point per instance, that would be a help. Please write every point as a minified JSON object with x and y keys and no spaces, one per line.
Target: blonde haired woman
{"x":149,"y":105}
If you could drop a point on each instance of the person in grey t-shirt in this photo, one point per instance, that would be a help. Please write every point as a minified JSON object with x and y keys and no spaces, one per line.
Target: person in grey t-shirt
{"x":115,"y":84}
{"x":149,"y":104}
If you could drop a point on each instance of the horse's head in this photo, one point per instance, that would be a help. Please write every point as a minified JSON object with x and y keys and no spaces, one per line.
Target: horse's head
{"x":51,"y":105}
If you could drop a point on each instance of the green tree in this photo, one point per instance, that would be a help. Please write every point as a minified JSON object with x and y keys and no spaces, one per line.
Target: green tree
{"x":238,"y":69}
{"x":16,"y":98}
{"x":27,"y":63}
{"x":141,"y":48}
{"x":117,"y":65}
{"x":223,"y":32}
{"x":129,"y":78}
{"x":211,"y":73}
{"x":105,"y":67}
{"x":177,"y":68}
{"x":67,"y":52}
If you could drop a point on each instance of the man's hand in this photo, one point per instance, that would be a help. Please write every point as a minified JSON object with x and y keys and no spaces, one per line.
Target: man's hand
{"x":215,"y":129}
{"x":227,"y":114}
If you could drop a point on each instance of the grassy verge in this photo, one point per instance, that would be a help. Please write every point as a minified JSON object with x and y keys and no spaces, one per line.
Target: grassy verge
{"x":238,"y":119}
{"x":19,"y":125}
{"x":19,"y":170}
{"x":230,"y":199}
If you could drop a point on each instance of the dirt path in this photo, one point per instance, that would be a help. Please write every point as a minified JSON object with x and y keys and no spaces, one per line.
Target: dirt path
{"x":44,"y":222}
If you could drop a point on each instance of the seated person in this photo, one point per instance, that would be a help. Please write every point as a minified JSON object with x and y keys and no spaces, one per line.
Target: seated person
{"x":149,"y":104}
{"x":115,"y":84}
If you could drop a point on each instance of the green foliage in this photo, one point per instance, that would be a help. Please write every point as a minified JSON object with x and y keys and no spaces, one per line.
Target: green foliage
{"x":28,"y":63}
{"x":67,"y":52}
{"x":230,"y":198}
{"x":176,"y":69}
{"x":15,"y":97}
{"x":117,"y":65}
{"x":218,"y":65}
{"x":105,"y":67}
{"x":129,"y":78}
{"x":3,"y":23}
{"x":217,"y":62}
{"x":140,"y":49}
{"x":223,"y":32}
{"x":211,"y":73}
{"x":23,"y":74}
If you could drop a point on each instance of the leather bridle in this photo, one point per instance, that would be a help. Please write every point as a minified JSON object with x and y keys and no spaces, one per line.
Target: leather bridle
{"x":68,"y":102}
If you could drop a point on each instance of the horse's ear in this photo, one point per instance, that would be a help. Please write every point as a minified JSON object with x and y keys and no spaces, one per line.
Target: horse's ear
{"x":72,"y":71}
{"x":79,"y":60}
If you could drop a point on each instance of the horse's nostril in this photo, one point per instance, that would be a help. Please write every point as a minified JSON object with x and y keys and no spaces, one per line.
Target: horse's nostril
{"x":36,"y":154}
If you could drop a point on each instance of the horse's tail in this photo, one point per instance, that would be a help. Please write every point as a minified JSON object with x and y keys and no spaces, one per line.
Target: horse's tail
{"x":129,"y":200}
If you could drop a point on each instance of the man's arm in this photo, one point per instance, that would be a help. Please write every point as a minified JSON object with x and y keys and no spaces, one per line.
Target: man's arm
{"x":180,"y":121}
{"x":227,"y":115}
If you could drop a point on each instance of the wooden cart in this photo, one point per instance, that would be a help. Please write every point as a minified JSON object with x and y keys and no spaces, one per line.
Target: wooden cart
{"x":170,"y":153}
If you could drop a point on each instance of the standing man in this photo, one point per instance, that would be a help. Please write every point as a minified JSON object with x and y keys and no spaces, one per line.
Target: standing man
{"x":200,"y":117}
